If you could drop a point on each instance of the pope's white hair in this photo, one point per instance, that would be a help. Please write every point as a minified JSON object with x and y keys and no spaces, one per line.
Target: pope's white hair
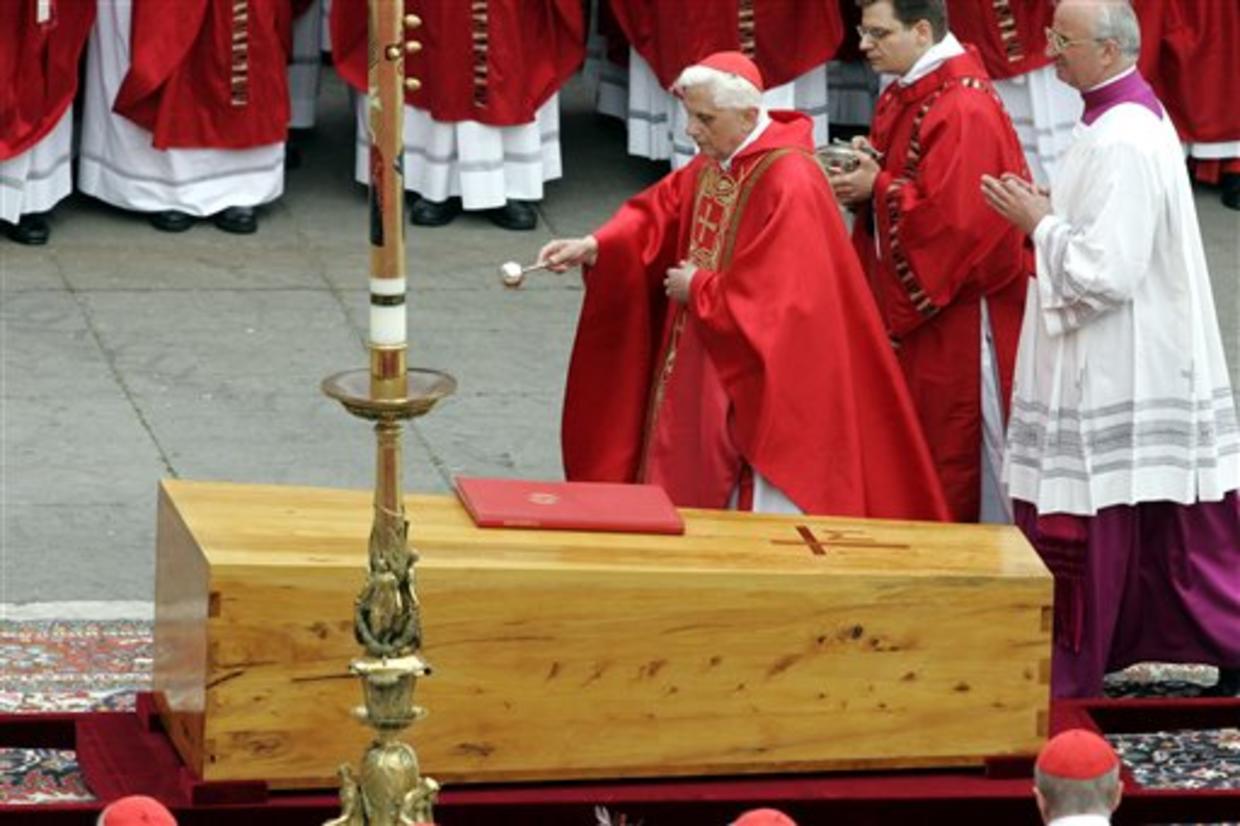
{"x":728,"y":91}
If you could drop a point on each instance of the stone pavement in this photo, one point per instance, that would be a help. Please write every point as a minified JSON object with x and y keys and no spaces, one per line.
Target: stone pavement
{"x":127,"y":355}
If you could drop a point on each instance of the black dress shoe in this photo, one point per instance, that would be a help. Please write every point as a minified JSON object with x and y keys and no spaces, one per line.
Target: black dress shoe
{"x":516,"y":215}
{"x":427,"y":213}
{"x":1231,"y":190}
{"x":1228,"y":684}
{"x":170,"y":220}
{"x":237,"y":220}
{"x":31,"y":230}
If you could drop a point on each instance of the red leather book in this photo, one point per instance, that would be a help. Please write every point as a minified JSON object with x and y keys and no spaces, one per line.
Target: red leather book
{"x":568,"y":506}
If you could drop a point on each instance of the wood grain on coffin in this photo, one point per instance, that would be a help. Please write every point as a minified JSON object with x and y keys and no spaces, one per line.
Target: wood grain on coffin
{"x":733,"y":649}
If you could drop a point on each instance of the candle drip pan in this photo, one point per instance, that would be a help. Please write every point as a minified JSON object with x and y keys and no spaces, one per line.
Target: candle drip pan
{"x":423,"y":390}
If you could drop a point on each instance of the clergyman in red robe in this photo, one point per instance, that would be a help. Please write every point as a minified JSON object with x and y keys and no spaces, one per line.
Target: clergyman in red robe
{"x":482,"y":132}
{"x":1188,"y":53}
{"x":950,"y":279}
{"x":186,"y":109}
{"x":728,"y":348}
{"x":41,"y":42}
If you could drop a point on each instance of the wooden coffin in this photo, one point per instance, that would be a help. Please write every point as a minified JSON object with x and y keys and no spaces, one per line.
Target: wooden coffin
{"x":750,"y":644}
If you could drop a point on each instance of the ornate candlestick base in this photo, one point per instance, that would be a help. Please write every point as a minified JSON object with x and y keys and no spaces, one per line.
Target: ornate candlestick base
{"x":389,"y":790}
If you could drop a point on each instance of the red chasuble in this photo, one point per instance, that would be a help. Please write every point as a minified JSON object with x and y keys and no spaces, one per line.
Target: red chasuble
{"x":778,"y":362}
{"x":209,"y":73}
{"x":1010,"y":35}
{"x":38,"y":68}
{"x":491,"y":61}
{"x":786,"y":38}
{"x":941,"y":249}
{"x":1189,"y":54}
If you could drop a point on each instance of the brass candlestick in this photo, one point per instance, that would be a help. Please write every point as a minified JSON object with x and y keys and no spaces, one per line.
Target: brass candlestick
{"x":389,"y":789}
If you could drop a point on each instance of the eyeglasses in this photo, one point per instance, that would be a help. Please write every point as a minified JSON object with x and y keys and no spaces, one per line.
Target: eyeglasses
{"x":1057,"y":43}
{"x":875,"y":35}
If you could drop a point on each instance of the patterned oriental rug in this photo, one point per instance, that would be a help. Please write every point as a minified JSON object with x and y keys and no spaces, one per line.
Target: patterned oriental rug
{"x":79,"y":666}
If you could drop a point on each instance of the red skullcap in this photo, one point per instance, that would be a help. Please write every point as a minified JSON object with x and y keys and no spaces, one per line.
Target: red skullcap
{"x":137,"y":810}
{"x":1077,"y":754}
{"x":734,"y":63}
{"x":763,"y":817}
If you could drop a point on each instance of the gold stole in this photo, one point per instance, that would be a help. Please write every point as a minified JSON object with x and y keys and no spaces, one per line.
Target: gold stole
{"x":717,"y":207}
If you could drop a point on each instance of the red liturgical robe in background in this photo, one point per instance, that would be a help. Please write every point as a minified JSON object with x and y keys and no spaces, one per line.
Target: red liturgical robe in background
{"x":778,"y":361}
{"x":491,"y":61}
{"x":38,"y":68}
{"x":1010,"y":35}
{"x":191,"y":89}
{"x":786,"y":38}
{"x":941,"y":250}
{"x":1189,"y":53}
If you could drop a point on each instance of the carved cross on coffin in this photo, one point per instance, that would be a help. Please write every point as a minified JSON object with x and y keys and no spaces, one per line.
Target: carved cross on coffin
{"x":835,"y":538}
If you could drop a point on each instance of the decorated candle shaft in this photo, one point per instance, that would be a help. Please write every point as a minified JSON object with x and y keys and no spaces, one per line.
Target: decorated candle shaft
{"x":385,"y":122}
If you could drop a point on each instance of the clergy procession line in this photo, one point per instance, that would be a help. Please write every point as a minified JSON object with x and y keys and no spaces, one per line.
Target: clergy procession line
{"x":982,"y":348}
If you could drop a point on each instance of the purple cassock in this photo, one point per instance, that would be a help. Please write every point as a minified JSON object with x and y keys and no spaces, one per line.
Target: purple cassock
{"x":1155,"y":581}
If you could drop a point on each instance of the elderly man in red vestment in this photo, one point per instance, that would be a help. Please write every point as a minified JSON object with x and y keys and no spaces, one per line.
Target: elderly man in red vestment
{"x":40,"y":43}
{"x":187,"y":109}
{"x":950,"y":279}
{"x":728,"y":348}
{"x":482,"y":133}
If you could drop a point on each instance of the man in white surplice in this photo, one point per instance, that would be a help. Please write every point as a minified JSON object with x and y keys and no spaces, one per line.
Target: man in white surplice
{"x":1123,"y":453}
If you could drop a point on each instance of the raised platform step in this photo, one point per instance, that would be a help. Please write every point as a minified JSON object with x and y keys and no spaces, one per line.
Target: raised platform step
{"x":134,"y":761}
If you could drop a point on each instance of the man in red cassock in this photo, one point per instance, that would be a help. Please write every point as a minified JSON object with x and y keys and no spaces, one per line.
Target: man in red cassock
{"x":950,"y":280}
{"x":1010,"y":36}
{"x":791,"y":41}
{"x":728,"y":349}
{"x":1189,"y":54}
{"x":482,"y":131}
{"x":40,"y":44}
{"x":187,"y":109}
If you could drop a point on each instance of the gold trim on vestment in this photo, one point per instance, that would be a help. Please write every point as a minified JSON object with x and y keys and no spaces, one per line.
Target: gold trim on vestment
{"x":1008,"y":32}
{"x":480,"y":41}
{"x":916,"y":293}
{"x":712,"y":252}
{"x":239,"y":60}
{"x":746,"y":30}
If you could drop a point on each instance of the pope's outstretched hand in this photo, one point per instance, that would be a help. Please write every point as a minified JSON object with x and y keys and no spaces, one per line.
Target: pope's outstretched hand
{"x":560,"y":254}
